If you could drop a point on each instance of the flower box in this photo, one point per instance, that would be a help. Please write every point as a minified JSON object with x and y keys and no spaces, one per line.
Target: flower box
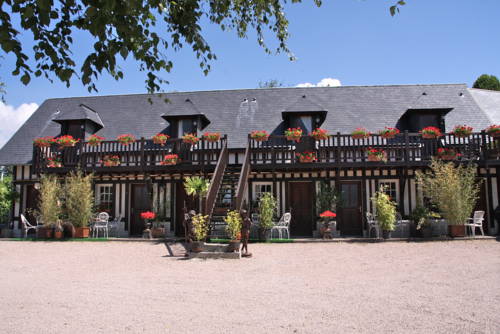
{"x":388,"y":133}
{"x":447,"y":154}
{"x":160,"y":138}
{"x":211,"y":137}
{"x":360,"y":133}
{"x":44,"y":141}
{"x":111,"y":161}
{"x":259,"y":135}
{"x":126,"y":139}
{"x":376,"y":155}
{"x":306,"y":157}
{"x":54,"y":162}
{"x":319,"y":134}
{"x":462,"y":131}
{"x":293,"y":134}
{"x":190,"y":138}
{"x":170,"y":160}
{"x":431,"y":132}
{"x":95,"y":140}
{"x":493,"y":130}
{"x":66,"y":141}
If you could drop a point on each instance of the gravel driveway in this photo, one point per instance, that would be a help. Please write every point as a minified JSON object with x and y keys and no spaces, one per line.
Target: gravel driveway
{"x":116,"y":287}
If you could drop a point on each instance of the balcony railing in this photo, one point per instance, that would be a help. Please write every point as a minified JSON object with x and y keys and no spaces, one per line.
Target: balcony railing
{"x":341,"y":149}
{"x":142,"y":155}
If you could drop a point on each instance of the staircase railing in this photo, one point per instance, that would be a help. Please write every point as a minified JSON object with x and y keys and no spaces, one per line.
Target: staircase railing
{"x":243,"y":180}
{"x":216,"y":181}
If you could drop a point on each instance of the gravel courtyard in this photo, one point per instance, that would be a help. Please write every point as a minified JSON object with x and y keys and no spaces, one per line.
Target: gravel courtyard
{"x":116,"y":287}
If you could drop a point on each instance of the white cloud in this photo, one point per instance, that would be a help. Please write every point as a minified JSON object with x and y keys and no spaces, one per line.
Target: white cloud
{"x":12,"y":118}
{"x":326,"y":82}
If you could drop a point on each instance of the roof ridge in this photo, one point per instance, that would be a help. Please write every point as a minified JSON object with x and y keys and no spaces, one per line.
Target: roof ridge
{"x":484,"y":90}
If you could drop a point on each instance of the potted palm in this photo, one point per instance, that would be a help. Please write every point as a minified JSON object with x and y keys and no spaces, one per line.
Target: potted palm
{"x":233,"y":229}
{"x":200,"y":232}
{"x":196,"y":186}
{"x":79,"y":202}
{"x":386,"y":212}
{"x":50,"y":206}
{"x":267,"y":208}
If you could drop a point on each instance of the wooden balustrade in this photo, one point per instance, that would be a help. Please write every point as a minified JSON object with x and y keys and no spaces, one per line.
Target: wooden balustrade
{"x":216,"y":181}
{"x":242,"y":181}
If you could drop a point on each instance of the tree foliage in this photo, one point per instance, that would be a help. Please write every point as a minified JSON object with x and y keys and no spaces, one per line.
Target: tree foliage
{"x":50,"y":192}
{"x":489,"y":82}
{"x":7,"y":195}
{"x":79,"y":198}
{"x":386,"y":210}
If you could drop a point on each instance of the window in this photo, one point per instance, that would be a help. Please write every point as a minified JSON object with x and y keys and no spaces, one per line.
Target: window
{"x":260,"y":188}
{"x":186,"y":126}
{"x":391,"y":189}
{"x":104,"y":198}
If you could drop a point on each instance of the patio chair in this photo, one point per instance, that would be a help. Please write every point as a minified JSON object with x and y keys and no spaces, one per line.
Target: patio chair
{"x":372,"y":224}
{"x":475,"y":222}
{"x":26,"y":226}
{"x":282,"y":225}
{"x":101,"y":223}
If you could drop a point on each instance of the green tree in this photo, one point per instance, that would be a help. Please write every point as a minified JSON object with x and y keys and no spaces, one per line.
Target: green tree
{"x":146,"y":30}
{"x":489,"y":82}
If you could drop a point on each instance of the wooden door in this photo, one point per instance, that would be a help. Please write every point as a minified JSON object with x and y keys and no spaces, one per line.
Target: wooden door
{"x":181,"y":200}
{"x":139,"y":202}
{"x":351,"y":218}
{"x":301,"y":204}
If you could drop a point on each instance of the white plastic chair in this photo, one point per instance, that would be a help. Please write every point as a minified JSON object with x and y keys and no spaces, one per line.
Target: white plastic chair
{"x":372,"y":224}
{"x":101,"y":223}
{"x":283,"y":225}
{"x":475,"y":222}
{"x":26,"y":226}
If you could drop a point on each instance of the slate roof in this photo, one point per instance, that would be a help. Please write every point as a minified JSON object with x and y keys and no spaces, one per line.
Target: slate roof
{"x":489,"y":102}
{"x":82,"y":112}
{"x":238,"y":112}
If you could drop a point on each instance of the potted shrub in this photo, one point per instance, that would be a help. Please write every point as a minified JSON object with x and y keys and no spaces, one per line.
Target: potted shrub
{"x":170,"y":160}
{"x":360,"y":133}
{"x":453,"y":189}
{"x":388,"y":133}
{"x":54,"y":162}
{"x":233,"y":229}
{"x":319,"y":134}
{"x":420,"y":218}
{"x":160,"y":138}
{"x":267,"y":208}
{"x":327,"y":199}
{"x":200,"y":232}
{"x":211,"y":137}
{"x":95,"y":140}
{"x":49,"y":204}
{"x":430,"y":132}
{"x":375,"y":155}
{"x":259,"y":135}
{"x":66,"y":141}
{"x":493,"y":131}
{"x":445,"y":153}
{"x":386,"y":212}
{"x":125,"y":139}
{"x":190,"y":138}
{"x":43,"y":141}
{"x":462,"y":131}
{"x":79,"y":201}
{"x":293,"y":134}
{"x":111,"y":161}
{"x":306,"y":157}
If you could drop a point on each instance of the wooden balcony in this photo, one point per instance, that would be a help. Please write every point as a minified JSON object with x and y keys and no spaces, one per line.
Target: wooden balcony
{"x":341,"y":150}
{"x":140,"y":156}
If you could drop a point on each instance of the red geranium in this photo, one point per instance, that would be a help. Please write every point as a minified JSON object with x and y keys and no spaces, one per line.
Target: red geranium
{"x":293,"y":134}
{"x":44,"y":141}
{"x":211,"y":137}
{"x":431,"y":132}
{"x":259,"y":135}
{"x":360,"y":133}
{"x":148,"y":215}
{"x":328,"y":213}
{"x":190,"y":138}
{"x":66,"y":141}
{"x":170,"y":160}
{"x":493,"y":130}
{"x":388,"y":133}
{"x":125,"y":139}
{"x":462,"y":131}
{"x":95,"y":140}
{"x":319,"y":134}
{"x":160,"y":138}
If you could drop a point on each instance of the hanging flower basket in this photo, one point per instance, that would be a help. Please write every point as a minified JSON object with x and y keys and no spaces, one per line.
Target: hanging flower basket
{"x":160,"y":138}
{"x":211,"y":137}
{"x":388,"y":133}
{"x":54,"y":162}
{"x":95,"y":140}
{"x":148,"y":215}
{"x":170,"y":160}
{"x":319,"y":134}
{"x":360,"y":133}
{"x":111,"y":161}
{"x":66,"y":141}
{"x":376,"y":155}
{"x":431,"y":132}
{"x":44,"y":141}
{"x":306,"y":157}
{"x":462,"y":131}
{"x":447,"y":154}
{"x":493,"y":131}
{"x":126,"y":139}
{"x":190,"y":138}
{"x":293,"y":134}
{"x":259,"y":135}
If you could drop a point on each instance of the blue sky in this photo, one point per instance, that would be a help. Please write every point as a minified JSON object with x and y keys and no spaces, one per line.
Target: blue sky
{"x":354,"y":41}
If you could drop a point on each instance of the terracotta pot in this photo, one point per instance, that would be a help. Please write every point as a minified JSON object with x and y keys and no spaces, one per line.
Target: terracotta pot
{"x":82,"y":232}
{"x":456,"y":230}
{"x":197,"y":246}
{"x":58,"y":234}
{"x":45,"y":232}
{"x":234,"y":245}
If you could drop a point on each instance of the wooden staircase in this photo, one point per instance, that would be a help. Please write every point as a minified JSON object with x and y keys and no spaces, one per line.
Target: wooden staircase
{"x":225,"y":198}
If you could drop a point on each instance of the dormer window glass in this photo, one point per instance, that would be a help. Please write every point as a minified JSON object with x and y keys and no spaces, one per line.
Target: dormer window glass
{"x":187,"y":126}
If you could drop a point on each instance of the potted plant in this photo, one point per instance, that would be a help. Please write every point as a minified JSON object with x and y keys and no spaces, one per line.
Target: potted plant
{"x":125,"y":139}
{"x":462,"y":131}
{"x":360,"y":133}
{"x":170,"y":160}
{"x":327,"y":199}
{"x":319,"y":134}
{"x":430,"y":132}
{"x":493,"y":130}
{"x":386,"y":212}
{"x":43,"y":141}
{"x":54,"y":162}
{"x":325,"y":230}
{"x":58,"y":230}
{"x":445,"y":153}
{"x":420,"y":218}
{"x":293,"y":134}
{"x":211,"y":137}
{"x":267,"y":208}
{"x":66,"y":141}
{"x":233,"y":229}
{"x":196,"y":186}
{"x":200,"y":232}
{"x":95,"y":140}
{"x":306,"y":157}
{"x":259,"y":135}
{"x":388,"y":133}
{"x":49,"y":204}
{"x":453,"y":189}
{"x":375,"y":155}
{"x":147,"y":216}
{"x":190,"y":138}
{"x":79,"y":198}
{"x":111,"y":160}
{"x":160,"y":138}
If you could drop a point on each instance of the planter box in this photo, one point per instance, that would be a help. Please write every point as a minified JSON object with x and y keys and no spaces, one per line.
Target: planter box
{"x":45,"y":232}
{"x":456,"y":230}
{"x":82,"y":232}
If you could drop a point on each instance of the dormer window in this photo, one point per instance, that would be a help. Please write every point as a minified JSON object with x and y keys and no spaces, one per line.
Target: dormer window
{"x":184,"y":117}
{"x":415,"y":120}
{"x":304,"y":113}
{"x":79,"y":122}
